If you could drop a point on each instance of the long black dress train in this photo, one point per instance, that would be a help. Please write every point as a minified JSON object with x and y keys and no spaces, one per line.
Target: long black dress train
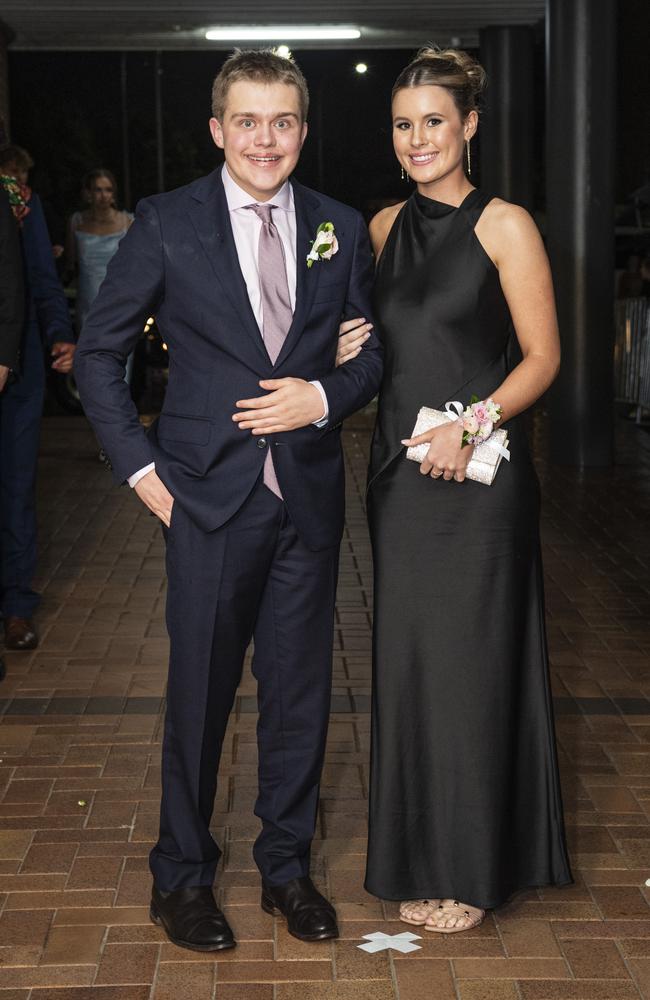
{"x":464,"y":794}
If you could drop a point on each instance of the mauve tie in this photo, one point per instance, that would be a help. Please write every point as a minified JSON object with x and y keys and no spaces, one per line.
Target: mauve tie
{"x":276,"y":304}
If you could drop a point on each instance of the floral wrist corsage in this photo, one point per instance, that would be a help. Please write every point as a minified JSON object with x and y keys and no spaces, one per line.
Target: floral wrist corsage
{"x":478,"y":420}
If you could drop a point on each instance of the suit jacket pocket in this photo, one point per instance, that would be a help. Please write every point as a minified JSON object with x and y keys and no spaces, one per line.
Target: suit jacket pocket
{"x":189,"y":430}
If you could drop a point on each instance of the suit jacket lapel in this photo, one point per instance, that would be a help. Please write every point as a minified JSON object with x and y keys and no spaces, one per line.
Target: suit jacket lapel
{"x":308,"y":219}
{"x":211,"y":221}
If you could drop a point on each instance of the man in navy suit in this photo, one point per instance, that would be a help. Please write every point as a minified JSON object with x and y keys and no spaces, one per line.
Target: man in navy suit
{"x":244,"y":468}
{"x":12,"y":292}
{"x":46,"y":319}
{"x":12,"y":301}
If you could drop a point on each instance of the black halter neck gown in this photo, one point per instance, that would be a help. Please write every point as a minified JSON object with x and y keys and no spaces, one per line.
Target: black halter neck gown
{"x":464,"y":795}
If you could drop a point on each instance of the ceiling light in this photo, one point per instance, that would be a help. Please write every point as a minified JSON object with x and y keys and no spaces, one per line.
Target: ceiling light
{"x":361,"y":68}
{"x":283,"y":51}
{"x":271,"y":33}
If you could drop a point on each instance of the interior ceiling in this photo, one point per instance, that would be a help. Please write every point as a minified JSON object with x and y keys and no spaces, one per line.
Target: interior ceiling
{"x":176,"y":24}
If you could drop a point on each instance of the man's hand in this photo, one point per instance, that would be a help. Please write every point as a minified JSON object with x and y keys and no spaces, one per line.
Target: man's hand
{"x":289,"y":404}
{"x":153,"y":492}
{"x":63,"y":354}
{"x":4,"y":375}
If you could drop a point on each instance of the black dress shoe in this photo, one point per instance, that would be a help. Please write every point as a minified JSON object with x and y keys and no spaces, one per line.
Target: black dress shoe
{"x":310,"y":917}
{"x":191,"y":918}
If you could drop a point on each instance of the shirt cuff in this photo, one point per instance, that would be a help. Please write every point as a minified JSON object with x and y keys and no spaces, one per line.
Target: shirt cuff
{"x":326,"y":414}
{"x":137,"y":476}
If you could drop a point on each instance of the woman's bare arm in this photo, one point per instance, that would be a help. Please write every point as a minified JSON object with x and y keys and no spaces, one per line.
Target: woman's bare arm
{"x":511,"y":239}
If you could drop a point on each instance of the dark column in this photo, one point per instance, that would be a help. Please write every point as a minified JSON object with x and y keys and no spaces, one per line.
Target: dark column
{"x":6,"y":37}
{"x":508,"y":120}
{"x":126,"y":151}
{"x":580,"y":146}
{"x":160,"y":134}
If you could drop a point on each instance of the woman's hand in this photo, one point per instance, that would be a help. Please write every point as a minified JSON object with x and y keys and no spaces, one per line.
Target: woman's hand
{"x":445,"y":457}
{"x":353,"y":334}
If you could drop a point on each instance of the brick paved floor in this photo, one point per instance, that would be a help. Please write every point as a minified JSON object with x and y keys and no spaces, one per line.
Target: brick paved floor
{"x":79,"y":770}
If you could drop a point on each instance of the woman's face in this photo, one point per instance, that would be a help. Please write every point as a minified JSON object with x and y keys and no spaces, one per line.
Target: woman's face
{"x":428,"y":134}
{"x":100,"y":193}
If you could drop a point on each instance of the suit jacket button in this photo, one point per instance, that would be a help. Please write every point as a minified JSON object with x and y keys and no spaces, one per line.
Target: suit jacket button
{"x":261,"y":442}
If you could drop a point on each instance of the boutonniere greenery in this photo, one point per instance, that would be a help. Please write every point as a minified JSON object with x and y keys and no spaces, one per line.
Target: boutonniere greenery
{"x":325,"y":245}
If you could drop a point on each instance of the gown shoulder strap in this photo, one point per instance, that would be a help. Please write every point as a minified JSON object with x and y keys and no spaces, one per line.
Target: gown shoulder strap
{"x":474,"y":204}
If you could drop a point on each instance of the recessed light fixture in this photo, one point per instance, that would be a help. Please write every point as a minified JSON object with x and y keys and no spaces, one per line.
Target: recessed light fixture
{"x":283,"y":51}
{"x":271,"y":33}
{"x":361,"y":68}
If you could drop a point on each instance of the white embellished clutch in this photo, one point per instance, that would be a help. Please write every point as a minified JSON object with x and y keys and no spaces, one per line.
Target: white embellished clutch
{"x":486,"y":459}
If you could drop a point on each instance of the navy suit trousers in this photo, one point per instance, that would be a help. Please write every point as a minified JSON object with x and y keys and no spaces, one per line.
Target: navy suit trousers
{"x":21,"y":408}
{"x":250,"y":579}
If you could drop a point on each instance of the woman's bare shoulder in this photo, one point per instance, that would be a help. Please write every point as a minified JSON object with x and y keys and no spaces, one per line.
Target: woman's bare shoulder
{"x":507,"y":230}
{"x":507,"y":217}
{"x":381,"y":224}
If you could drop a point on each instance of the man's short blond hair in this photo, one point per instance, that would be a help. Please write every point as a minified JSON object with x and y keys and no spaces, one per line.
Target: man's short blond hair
{"x":258,"y":66}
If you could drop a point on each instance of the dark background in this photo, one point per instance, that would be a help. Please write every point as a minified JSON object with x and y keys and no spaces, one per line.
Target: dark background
{"x":66,"y":110}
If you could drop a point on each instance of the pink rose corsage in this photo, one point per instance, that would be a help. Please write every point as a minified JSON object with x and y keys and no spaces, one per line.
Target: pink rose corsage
{"x":478,"y":420}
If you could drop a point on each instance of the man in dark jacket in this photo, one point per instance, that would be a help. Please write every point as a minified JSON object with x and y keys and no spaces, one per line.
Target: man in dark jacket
{"x":21,"y":406}
{"x":12,"y":299}
{"x":248,"y":274}
{"x":12,"y":291}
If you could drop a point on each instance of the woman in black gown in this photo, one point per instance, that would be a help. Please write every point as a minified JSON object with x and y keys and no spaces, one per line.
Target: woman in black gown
{"x":465,"y":805}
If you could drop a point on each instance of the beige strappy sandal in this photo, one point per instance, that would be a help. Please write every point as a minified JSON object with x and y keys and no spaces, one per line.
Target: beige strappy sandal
{"x":466,"y":916}
{"x":424,"y":908}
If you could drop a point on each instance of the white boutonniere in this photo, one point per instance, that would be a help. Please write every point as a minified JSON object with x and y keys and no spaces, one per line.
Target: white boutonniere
{"x":325,"y":245}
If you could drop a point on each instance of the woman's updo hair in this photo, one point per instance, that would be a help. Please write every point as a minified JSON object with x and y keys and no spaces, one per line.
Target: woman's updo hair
{"x":453,"y":69}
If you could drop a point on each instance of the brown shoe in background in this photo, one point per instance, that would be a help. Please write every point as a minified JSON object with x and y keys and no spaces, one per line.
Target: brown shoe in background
{"x":20,"y":633}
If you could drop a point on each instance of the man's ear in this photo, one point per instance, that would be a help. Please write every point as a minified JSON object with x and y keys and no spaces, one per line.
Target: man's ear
{"x":216,"y":132}
{"x":305,"y":130}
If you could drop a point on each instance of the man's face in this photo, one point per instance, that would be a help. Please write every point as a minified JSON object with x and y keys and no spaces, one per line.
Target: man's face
{"x":14,"y":170}
{"x":261,"y":134}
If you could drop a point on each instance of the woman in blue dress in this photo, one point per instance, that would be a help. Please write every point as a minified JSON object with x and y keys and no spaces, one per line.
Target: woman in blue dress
{"x":93,"y":237}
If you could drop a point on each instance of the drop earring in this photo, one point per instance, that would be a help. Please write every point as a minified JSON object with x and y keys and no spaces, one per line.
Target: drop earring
{"x":405,"y":176}
{"x":469,"y":158}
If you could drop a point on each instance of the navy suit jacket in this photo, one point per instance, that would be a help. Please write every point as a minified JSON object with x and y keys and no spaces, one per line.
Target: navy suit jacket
{"x":12,"y":294}
{"x":178,"y":262}
{"x":47,"y":304}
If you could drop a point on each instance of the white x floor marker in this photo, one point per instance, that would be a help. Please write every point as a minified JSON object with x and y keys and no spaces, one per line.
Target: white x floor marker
{"x":399,"y":942}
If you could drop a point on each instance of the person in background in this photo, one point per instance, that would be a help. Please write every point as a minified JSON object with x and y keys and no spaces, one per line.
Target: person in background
{"x":12,"y":300}
{"x":21,"y":402}
{"x":18,"y":163}
{"x":93,"y":237}
{"x":12,"y":290}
